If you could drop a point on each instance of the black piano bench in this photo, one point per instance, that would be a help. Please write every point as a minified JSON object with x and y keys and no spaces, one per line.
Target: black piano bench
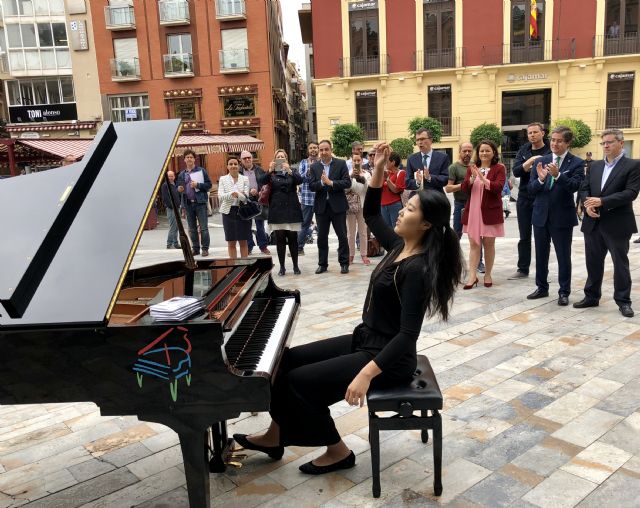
{"x":421,"y":394}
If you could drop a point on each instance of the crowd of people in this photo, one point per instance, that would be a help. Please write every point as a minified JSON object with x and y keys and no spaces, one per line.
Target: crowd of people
{"x":557,"y":190}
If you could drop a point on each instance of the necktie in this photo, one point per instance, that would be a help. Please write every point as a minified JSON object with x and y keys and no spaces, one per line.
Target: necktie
{"x":553,"y":180}
{"x":425,"y":161}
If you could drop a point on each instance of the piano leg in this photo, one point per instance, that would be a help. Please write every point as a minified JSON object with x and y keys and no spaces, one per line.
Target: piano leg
{"x":195,"y":456}
{"x":221,"y":449}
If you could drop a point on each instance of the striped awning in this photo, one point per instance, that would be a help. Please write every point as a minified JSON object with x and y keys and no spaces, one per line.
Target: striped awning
{"x":59,"y":147}
{"x":218,"y":143}
{"x":39,"y":127}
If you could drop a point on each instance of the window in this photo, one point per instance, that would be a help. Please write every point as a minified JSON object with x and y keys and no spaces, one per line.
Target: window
{"x":239,"y":105}
{"x":31,"y":7}
{"x":367,"y":113}
{"x":125,"y":53}
{"x":185,"y":109}
{"x":27,"y":43}
{"x":179,"y":44}
{"x":619,"y":100}
{"x":40,"y":91}
{"x":234,"y":53}
{"x":52,"y":34}
{"x":439,"y":98}
{"x":439,"y":34}
{"x":365,"y":45}
{"x":622,"y":18}
{"x":527,"y":30}
{"x":129,"y":108}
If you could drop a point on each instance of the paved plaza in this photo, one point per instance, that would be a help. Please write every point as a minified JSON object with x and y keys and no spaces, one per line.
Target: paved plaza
{"x":542,"y":408}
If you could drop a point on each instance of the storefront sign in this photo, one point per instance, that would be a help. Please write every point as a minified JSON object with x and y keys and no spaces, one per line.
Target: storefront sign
{"x":78,"y":36}
{"x":440,"y":89}
{"x":360,"y":5}
{"x":47,"y":113}
{"x":622,"y":76}
{"x":363,"y":94}
{"x":528,"y":77}
{"x":239,"y":106}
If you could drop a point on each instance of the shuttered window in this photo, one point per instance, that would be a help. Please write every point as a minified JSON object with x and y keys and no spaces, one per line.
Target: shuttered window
{"x":125,"y":48}
{"x":235,"y":38}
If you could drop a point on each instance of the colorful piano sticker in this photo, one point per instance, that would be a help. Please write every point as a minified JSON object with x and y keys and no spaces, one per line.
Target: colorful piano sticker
{"x":168,"y":357}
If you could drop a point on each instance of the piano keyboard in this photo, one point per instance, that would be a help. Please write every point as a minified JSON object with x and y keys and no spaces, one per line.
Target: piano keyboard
{"x":257,"y":341}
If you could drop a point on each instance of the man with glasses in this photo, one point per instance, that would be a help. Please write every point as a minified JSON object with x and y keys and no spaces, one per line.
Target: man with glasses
{"x":607,"y":195}
{"x":427,"y":169}
{"x":255,"y":174}
{"x":526,"y":157}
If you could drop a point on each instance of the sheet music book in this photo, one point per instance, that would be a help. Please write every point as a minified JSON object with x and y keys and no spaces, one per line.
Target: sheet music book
{"x":177,"y":308}
{"x":197,"y":176}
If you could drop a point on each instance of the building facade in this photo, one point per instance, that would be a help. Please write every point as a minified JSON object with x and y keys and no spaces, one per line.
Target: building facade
{"x":218,"y":65}
{"x":306,"y":30}
{"x":509,"y":62}
{"x":297,"y":113}
{"x":48,"y":68}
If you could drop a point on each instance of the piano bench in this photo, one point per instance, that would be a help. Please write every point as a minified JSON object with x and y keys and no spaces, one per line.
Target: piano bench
{"x":421,"y":394}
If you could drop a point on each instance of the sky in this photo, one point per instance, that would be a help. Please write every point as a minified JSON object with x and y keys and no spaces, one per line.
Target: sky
{"x":291,"y":28}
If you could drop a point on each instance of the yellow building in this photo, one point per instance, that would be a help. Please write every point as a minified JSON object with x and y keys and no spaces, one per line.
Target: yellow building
{"x":465,"y":74}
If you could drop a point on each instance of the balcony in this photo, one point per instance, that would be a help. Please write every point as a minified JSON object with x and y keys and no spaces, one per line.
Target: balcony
{"x":534,"y":51}
{"x":234,"y":61}
{"x":178,"y":65}
{"x":618,"y":118}
{"x":174,"y":12}
{"x":4,"y":64}
{"x":373,"y":131}
{"x":119,"y":17}
{"x":625,"y":44}
{"x":363,"y":65}
{"x":227,"y":10}
{"x":438,"y":59}
{"x":125,"y":69}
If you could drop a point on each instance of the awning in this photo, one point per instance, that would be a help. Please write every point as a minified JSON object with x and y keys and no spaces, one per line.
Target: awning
{"x":37,"y":126}
{"x":202,"y":144}
{"x":59,"y":147}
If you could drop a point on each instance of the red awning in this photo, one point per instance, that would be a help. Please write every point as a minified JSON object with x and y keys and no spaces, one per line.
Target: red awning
{"x":59,"y":147}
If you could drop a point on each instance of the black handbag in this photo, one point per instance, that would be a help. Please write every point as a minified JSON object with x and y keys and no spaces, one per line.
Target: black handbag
{"x":247,"y":210}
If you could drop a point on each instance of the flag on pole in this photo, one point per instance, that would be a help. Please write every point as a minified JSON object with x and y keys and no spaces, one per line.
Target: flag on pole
{"x":533,"y":23}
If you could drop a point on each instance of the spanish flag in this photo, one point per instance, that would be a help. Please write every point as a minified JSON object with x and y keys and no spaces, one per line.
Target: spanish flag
{"x":533,"y":24}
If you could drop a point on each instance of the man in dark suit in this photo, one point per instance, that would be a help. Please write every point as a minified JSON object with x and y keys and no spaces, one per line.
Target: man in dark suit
{"x":607,"y":195}
{"x":427,"y":169}
{"x":329,"y":178}
{"x":553,"y":181}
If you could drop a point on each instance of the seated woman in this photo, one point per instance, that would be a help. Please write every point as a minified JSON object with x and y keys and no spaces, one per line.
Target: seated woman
{"x":418,"y":276}
{"x":233,"y":188}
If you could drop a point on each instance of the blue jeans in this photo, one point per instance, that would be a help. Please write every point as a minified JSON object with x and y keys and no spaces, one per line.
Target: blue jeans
{"x":261,"y":236}
{"x":172,"y":236}
{"x":390,"y":213}
{"x":305,"y":230}
{"x":197,"y":216}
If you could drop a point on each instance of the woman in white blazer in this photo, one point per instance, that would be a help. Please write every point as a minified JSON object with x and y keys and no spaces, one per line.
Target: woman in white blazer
{"x":233,"y":188}
{"x":355,"y":220}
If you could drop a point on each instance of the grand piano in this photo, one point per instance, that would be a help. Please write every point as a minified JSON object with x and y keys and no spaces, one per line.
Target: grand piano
{"x":74,"y":317}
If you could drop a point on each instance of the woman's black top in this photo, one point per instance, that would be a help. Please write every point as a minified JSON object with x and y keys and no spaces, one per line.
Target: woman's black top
{"x":396,"y":302}
{"x":284,"y":205}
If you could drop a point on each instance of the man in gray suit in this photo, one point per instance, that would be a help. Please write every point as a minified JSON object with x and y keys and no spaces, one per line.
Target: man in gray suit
{"x":607,"y":195}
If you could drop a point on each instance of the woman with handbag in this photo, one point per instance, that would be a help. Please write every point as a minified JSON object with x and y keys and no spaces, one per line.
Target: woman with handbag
{"x":285,"y":212}
{"x":355,"y":219}
{"x":233,"y":191}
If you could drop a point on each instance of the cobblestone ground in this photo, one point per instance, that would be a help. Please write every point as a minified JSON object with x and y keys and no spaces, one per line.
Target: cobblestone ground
{"x":542,"y":408}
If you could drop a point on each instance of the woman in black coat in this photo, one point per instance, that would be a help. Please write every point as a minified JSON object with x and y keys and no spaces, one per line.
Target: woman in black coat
{"x":285,"y":213}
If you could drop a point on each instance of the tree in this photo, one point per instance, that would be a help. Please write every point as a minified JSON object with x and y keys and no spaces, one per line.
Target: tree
{"x":402,"y":146}
{"x":488,"y":131}
{"x":343,"y":135}
{"x":581,"y":131}
{"x":425,"y":122}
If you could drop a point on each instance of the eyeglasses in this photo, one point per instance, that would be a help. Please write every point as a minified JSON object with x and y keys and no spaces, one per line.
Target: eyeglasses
{"x":422,"y":139}
{"x":607,"y":143}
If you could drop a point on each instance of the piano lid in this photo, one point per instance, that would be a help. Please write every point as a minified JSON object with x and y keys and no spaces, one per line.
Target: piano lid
{"x":71,"y":232}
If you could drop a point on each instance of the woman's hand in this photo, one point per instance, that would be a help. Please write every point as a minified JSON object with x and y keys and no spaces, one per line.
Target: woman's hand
{"x":382,"y":156}
{"x":234,"y":195}
{"x":357,"y":390}
{"x":286,"y":167}
{"x":272,"y":166}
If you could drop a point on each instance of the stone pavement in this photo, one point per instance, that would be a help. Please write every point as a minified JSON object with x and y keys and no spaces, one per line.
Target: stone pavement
{"x":542,"y":408}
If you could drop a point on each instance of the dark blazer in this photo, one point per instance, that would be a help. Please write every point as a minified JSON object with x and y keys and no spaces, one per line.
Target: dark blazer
{"x":284,"y":205}
{"x":202,"y":192}
{"x":339,"y":174}
{"x":491,"y":205}
{"x":559,"y":198}
{"x":438,"y":169}
{"x":618,"y":194}
{"x":166,"y":199}
{"x":522,"y":156}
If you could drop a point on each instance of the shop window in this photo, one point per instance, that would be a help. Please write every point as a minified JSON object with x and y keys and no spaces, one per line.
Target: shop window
{"x":239,"y":105}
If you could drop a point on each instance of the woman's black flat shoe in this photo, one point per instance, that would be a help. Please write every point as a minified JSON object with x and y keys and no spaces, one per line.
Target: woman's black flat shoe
{"x":275,"y":452}
{"x":282,"y":271}
{"x":346,"y":463}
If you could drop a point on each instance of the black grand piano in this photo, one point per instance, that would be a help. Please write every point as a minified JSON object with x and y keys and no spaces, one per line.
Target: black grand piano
{"x":74,"y":318}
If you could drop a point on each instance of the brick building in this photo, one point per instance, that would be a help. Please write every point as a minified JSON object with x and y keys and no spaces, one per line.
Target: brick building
{"x":511,"y":62}
{"x":218,"y":65}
